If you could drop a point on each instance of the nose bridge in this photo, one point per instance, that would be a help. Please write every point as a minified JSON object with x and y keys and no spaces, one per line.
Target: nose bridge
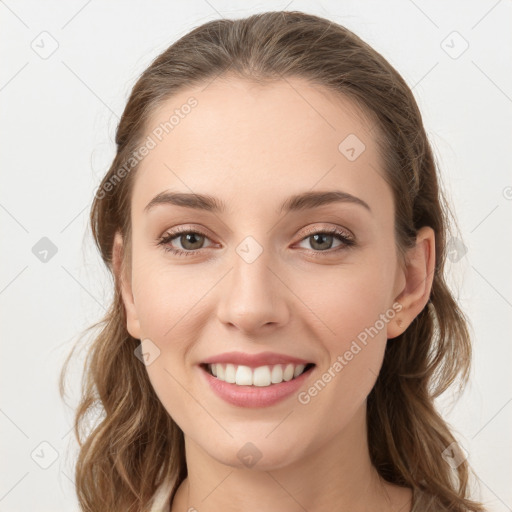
{"x":252,"y":296}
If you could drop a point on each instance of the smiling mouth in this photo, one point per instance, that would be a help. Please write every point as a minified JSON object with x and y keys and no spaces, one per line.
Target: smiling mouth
{"x":261,"y":376}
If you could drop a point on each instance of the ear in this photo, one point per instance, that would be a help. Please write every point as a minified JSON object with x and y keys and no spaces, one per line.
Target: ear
{"x":132,"y":320}
{"x":418,"y":276}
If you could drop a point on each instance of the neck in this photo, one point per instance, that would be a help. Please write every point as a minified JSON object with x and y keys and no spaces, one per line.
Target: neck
{"x":338,"y":475}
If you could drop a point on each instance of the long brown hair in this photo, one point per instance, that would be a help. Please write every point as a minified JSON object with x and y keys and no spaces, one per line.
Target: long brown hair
{"x":133,"y":444}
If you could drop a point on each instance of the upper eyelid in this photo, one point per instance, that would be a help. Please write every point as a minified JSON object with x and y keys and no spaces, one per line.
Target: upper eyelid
{"x":192,"y":229}
{"x":331,"y":230}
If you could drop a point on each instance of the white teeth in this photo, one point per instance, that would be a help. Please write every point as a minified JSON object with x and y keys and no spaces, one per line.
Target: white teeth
{"x":243,"y":376}
{"x":261,"y":376}
{"x":288,"y":372}
{"x":230,"y":375}
{"x":298,"y":370}
{"x":277,"y":374}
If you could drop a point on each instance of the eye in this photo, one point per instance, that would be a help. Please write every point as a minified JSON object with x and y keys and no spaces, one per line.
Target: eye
{"x":322,"y":240}
{"x":191,"y":241}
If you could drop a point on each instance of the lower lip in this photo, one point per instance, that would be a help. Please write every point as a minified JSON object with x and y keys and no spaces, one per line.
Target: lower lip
{"x":255,"y":396}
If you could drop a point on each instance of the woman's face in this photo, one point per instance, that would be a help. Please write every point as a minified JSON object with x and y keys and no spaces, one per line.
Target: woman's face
{"x":256,"y":278}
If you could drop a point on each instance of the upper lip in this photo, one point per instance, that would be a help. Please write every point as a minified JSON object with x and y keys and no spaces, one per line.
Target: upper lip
{"x":254,"y":360}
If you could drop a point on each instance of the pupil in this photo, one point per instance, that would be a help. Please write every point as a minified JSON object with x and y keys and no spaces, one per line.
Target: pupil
{"x":190,"y":238}
{"x":320,"y":236}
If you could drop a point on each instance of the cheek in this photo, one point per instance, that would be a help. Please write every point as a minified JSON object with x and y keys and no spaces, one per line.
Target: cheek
{"x":354,"y":312}
{"x":166,"y":296}
{"x":349,"y":300}
{"x":174,"y":389}
{"x":170,"y":303}
{"x":354,"y":350}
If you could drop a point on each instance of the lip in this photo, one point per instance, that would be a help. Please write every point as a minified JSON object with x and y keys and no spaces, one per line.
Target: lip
{"x":254,"y":360}
{"x":254,"y":396}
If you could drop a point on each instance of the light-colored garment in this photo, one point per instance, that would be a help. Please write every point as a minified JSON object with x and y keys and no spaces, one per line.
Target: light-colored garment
{"x":421,"y":502}
{"x":162,"y":498}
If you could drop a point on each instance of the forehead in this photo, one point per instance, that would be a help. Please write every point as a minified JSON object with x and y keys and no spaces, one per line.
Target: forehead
{"x":254,"y":144}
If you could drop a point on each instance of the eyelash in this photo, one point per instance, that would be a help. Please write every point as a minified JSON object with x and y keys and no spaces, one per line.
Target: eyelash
{"x":340,"y":235}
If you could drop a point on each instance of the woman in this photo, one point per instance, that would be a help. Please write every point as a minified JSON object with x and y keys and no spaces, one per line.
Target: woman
{"x":281,"y":323}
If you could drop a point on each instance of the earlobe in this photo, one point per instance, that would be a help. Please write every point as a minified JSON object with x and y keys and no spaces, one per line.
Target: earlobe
{"x":132,"y":320}
{"x":419,"y":275}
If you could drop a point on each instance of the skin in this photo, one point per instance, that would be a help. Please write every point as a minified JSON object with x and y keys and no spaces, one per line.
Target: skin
{"x":253,"y":146}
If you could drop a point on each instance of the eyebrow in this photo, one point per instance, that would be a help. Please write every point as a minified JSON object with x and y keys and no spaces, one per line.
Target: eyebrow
{"x":298,"y":202}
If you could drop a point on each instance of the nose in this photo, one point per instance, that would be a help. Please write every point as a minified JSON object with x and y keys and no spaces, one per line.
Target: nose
{"x":253,"y":297}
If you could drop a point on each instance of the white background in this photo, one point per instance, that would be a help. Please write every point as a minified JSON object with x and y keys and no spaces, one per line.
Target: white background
{"x":58,"y":117}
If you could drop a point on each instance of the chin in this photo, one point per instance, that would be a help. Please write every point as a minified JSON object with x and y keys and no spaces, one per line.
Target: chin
{"x":258,"y":455}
